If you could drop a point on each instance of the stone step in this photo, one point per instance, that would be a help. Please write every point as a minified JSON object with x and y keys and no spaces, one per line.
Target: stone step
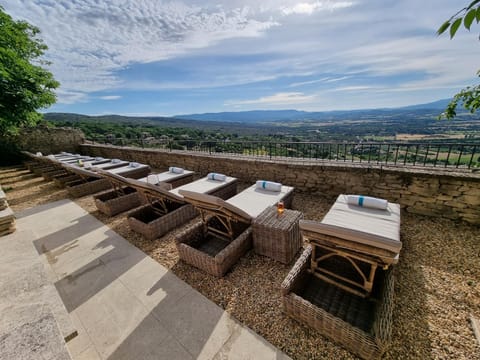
{"x":30,"y":306}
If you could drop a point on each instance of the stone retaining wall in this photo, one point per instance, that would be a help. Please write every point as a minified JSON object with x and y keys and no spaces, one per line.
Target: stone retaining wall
{"x":50,"y":140}
{"x":432,"y":193}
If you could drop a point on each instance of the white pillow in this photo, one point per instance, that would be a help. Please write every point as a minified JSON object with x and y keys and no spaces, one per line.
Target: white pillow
{"x":175,"y":170}
{"x":134,"y":164}
{"x":217,"y":177}
{"x":268,"y":185}
{"x":152,"y":179}
{"x":367,"y":202}
{"x":116,"y":161}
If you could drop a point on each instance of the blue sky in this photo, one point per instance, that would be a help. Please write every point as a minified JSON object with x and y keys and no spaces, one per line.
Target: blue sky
{"x":153,"y":57}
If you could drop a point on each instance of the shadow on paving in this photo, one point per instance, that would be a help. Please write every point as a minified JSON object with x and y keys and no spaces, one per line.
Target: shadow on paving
{"x":80,"y":285}
{"x":58,"y":239}
{"x":183,"y":324}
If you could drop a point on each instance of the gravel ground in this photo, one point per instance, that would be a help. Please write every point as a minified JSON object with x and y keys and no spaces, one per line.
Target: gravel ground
{"x":437,"y":280}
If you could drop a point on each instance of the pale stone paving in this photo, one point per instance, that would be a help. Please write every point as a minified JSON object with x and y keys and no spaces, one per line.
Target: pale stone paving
{"x":124,"y":304}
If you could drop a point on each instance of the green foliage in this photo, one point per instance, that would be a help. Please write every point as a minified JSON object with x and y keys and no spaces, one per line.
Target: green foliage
{"x":467,"y":15}
{"x":470,"y":96}
{"x":25,"y":86}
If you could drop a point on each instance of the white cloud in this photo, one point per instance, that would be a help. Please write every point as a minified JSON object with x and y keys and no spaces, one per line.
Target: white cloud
{"x":286,"y":98}
{"x":269,"y":47}
{"x":352,"y":88}
{"x":89,"y":42}
{"x":70,"y":97}
{"x":306,"y":8}
{"x":111,"y":97}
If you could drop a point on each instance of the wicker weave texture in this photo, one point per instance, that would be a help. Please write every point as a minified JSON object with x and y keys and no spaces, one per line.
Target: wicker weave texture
{"x":277,"y":237}
{"x":136,"y":173}
{"x":369,"y":343}
{"x":161,"y":225}
{"x":111,"y":203}
{"x":89,"y":187}
{"x":181,"y":181}
{"x":62,"y":180}
{"x":49,"y":175}
{"x":38,"y":170}
{"x":216,"y":265}
{"x":226,"y":191}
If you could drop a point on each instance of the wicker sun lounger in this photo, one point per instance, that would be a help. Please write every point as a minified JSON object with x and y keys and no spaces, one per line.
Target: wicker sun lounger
{"x":41,"y":164}
{"x":62,"y":179}
{"x":352,"y":242}
{"x":88,"y":182}
{"x":112,"y":164}
{"x":132,"y":170}
{"x":174,"y":179}
{"x":121,"y":198}
{"x":225,"y":233}
{"x":167,"y":209}
{"x":361,"y":325}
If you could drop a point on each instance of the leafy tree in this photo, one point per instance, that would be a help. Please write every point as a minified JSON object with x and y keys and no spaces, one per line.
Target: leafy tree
{"x":25,"y":86}
{"x":470,"y":96}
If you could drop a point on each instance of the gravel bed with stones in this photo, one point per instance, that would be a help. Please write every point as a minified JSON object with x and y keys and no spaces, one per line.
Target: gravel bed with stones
{"x":437,"y":280}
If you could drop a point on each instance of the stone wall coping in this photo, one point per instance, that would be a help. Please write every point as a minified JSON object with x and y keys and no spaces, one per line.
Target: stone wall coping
{"x":327,"y":164}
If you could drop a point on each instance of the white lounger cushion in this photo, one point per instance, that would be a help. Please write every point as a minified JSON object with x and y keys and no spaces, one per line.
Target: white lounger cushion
{"x":169,"y":176}
{"x":373,"y":227}
{"x":268,"y":185}
{"x":110,"y":163}
{"x":203,"y":185}
{"x":367,"y":202}
{"x":254,"y":201}
{"x":216,"y":176}
{"x":127,"y":168}
{"x":176,"y":170}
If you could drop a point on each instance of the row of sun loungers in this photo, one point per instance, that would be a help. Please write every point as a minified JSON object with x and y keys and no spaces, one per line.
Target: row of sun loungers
{"x":341,"y":285}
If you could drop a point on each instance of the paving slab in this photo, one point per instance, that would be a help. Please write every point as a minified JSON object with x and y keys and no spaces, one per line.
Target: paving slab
{"x":125,"y":304}
{"x":34,"y":323}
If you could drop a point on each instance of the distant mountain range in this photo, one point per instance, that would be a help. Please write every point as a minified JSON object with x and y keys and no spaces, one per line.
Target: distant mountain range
{"x":254,"y":116}
{"x":267,"y":117}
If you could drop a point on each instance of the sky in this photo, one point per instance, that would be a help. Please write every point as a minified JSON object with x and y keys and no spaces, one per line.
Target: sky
{"x":163,"y":58}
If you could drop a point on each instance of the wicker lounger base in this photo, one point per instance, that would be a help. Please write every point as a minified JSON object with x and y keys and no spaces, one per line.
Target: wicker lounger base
{"x":361,"y":325}
{"x":41,"y":169}
{"x":181,"y":181}
{"x":28,"y":164}
{"x":34,"y":164}
{"x":111,"y":203}
{"x":89,"y":187}
{"x":49,"y":175}
{"x":151,"y":226}
{"x":226,"y":191}
{"x":62,"y":180}
{"x":136,"y":173}
{"x":210,"y":254}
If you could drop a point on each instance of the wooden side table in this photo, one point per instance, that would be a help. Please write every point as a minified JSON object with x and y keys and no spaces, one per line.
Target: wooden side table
{"x":277,"y":237}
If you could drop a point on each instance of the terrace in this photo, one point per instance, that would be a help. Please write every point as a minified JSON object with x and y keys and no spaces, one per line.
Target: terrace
{"x":437,"y":288}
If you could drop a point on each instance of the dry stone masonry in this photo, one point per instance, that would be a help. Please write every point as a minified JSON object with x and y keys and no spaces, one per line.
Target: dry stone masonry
{"x":433,"y":192}
{"x":7,"y":217}
{"x":50,"y":140}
